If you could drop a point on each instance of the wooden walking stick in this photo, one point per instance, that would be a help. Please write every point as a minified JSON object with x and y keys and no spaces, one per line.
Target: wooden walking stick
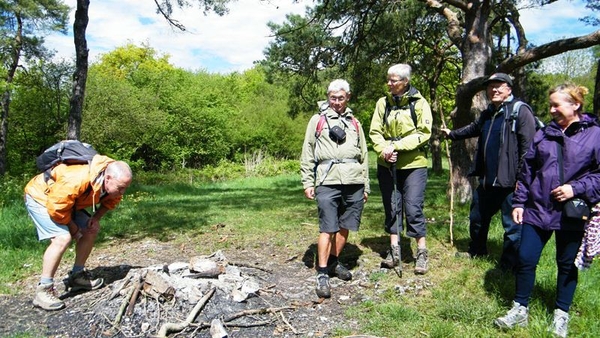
{"x":398,"y":214}
{"x":451,"y":180}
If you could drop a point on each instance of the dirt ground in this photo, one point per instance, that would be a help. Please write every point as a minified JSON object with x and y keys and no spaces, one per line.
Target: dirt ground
{"x":286,"y":287}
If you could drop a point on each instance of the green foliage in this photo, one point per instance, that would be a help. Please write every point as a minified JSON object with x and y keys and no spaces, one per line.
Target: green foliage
{"x":141,"y":109}
{"x":39,"y":112}
{"x":11,"y":190}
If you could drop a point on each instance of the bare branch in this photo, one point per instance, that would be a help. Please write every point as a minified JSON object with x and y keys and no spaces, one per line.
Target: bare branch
{"x":170,"y":20}
{"x":454,"y":24}
{"x":548,"y":50}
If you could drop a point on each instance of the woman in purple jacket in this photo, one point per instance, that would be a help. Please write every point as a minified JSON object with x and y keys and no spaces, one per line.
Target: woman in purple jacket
{"x":541,"y":193}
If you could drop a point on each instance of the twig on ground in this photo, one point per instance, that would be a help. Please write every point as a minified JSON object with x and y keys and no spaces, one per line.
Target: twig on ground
{"x":124,"y":303}
{"x":244,"y":265}
{"x":136,"y":291}
{"x":119,"y":287}
{"x":255,"y":312}
{"x":176,"y":327}
{"x":287,"y":323}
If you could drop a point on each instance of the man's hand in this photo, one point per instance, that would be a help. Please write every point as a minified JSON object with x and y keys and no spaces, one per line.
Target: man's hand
{"x":93,"y":226}
{"x":445,"y":132}
{"x":310,"y":193}
{"x":517,"y":215}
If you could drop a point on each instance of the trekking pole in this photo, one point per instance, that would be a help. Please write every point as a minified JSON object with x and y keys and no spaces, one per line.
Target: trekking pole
{"x":398,"y":214}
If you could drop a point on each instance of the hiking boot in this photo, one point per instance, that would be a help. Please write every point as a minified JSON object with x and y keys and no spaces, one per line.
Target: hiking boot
{"x":422,"y":263}
{"x":560,"y":323}
{"x":323,"y":289}
{"x":45,"y":298}
{"x":340,"y":272}
{"x":83,"y":280}
{"x":393,"y":257}
{"x":517,"y":316}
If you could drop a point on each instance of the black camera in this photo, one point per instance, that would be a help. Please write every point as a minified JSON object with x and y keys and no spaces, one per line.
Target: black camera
{"x":337,"y":134}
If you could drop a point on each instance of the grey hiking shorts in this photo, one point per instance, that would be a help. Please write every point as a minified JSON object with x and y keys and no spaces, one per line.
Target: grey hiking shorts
{"x":340,"y":207}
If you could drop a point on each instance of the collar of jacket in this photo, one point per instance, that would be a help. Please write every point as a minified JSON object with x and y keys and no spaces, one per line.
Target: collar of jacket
{"x":332,"y":114}
{"x":587,"y":120}
{"x":504,"y":103}
{"x":403,"y":100}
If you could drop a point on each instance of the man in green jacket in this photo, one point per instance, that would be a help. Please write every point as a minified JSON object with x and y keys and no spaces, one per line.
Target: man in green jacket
{"x":400,"y":128}
{"x":335,"y":171}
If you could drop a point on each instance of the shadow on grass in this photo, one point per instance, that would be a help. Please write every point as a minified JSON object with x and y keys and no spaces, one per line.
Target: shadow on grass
{"x":110,"y":274}
{"x":381,"y":244}
{"x":348,"y":257}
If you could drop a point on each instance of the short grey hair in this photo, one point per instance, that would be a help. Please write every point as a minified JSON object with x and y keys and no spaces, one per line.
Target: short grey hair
{"x":337,"y":85}
{"x":402,"y":70}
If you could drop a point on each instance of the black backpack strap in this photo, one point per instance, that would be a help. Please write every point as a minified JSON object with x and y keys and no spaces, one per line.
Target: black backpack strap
{"x":413,"y":114}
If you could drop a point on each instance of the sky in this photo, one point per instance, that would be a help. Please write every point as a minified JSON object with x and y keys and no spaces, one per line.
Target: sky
{"x":233,"y":42}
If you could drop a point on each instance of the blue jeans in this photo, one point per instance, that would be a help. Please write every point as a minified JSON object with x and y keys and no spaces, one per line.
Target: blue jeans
{"x":486,"y":203}
{"x":567,"y":244}
{"x":411,"y":186}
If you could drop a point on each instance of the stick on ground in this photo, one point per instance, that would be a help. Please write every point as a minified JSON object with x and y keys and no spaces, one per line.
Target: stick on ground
{"x":166,"y":328}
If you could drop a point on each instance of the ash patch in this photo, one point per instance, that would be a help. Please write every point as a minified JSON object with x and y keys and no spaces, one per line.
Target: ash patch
{"x":284,"y":304}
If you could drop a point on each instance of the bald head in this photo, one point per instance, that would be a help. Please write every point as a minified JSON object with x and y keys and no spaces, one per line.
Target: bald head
{"x":118,"y":176}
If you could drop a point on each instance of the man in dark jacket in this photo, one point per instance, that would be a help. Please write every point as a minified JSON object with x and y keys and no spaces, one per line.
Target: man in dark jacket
{"x":500,"y":150}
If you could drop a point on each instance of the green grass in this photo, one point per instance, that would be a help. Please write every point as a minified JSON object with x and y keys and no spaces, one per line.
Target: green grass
{"x":457,"y":298}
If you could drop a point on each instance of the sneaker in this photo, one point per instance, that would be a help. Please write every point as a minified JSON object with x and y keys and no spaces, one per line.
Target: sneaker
{"x":393,"y":257}
{"x":422,"y":263}
{"x":45,"y":298}
{"x":340,"y":272}
{"x":323,"y":289}
{"x":517,"y":316}
{"x":560,"y":323}
{"x":83,"y":280}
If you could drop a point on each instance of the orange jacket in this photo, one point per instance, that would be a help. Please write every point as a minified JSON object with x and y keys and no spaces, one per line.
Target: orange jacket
{"x":69,"y":189}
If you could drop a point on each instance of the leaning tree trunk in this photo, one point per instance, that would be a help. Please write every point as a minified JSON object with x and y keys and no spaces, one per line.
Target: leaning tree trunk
{"x":81,"y":70}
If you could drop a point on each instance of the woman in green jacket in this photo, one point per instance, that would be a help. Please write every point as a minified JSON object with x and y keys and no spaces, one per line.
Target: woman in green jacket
{"x":400,"y":129}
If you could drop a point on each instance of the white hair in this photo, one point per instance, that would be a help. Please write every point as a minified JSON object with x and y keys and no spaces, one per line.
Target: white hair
{"x":337,"y":85}
{"x":119,"y":170}
{"x":402,"y":70}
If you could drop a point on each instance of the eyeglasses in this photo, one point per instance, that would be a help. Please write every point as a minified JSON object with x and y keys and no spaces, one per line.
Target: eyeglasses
{"x":337,"y":98}
{"x":499,"y":87}
{"x":393,"y":81}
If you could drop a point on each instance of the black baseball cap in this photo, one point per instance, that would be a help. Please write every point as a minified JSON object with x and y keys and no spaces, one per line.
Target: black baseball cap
{"x":499,"y":77}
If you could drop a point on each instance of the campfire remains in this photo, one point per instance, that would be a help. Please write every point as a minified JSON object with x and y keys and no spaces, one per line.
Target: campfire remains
{"x":209,"y":291}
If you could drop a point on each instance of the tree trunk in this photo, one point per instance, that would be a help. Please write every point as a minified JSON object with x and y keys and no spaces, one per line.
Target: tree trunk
{"x":81,"y":70}
{"x":470,"y":101}
{"x":14,"y":63}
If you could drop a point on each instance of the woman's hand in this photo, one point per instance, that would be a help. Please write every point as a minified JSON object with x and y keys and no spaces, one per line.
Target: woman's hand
{"x":563,"y":193}
{"x":389,"y":154}
{"x":517,"y":215}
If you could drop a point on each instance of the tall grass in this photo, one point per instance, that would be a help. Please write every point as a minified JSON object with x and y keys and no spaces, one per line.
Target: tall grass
{"x":457,"y":298}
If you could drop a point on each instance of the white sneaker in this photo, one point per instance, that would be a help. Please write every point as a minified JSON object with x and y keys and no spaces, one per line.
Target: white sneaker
{"x":517,"y":316}
{"x":560,"y":323}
